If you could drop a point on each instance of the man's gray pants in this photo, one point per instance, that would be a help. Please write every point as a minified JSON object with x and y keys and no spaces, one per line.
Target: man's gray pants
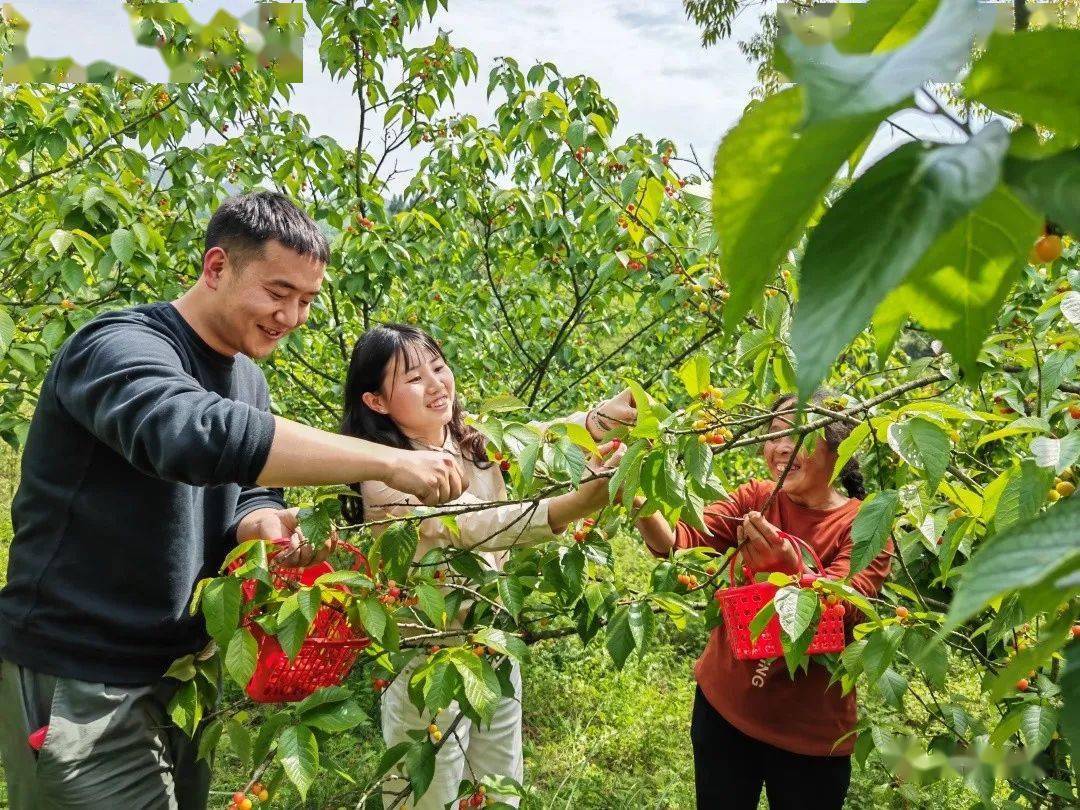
{"x":107,"y":746}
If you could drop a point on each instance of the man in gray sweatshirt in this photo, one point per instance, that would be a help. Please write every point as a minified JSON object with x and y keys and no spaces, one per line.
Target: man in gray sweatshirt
{"x":152,"y":450}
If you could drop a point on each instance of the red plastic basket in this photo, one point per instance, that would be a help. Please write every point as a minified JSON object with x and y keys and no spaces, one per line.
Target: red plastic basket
{"x":327,"y":654}
{"x":740,"y":604}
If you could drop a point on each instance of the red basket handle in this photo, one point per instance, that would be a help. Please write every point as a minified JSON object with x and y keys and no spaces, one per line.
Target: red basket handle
{"x":795,"y":541}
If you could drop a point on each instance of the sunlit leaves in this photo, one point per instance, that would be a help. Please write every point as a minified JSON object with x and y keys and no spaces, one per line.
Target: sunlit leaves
{"x":957,"y":288}
{"x":877,"y":232}
{"x":768,"y":177}
{"x":923,"y":444}
{"x":839,"y":85}
{"x":1032,"y":74}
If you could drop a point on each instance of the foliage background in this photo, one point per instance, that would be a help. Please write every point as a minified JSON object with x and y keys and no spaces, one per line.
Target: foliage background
{"x":554,"y":263}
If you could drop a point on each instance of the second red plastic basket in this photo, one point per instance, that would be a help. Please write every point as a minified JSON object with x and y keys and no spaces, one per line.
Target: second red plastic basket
{"x":740,"y":604}
{"x":327,"y":654}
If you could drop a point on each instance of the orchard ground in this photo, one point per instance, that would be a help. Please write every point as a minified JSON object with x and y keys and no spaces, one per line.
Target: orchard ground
{"x":595,"y":738}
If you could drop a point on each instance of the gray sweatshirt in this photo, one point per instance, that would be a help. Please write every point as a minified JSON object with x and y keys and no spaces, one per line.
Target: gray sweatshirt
{"x":141,"y":459}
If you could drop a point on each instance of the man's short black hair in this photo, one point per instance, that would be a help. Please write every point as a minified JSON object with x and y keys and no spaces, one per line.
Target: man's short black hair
{"x":243,"y":225}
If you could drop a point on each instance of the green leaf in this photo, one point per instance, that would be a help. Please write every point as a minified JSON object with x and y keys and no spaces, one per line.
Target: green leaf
{"x":922,"y":444}
{"x":182,"y":669}
{"x":892,"y":686}
{"x":335,"y":718}
{"x":433,"y":604}
{"x":1058,"y":454}
{"x":240,"y":742}
{"x":873,"y":236}
{"x":7,"y":331}
{"x":298,"y":753}
{"x":1070,"y":693}
{"x":796,"y":607}
{"x":373,"y":617}
{"x":620,"y":640}
{"x":420,"y":766}
{"x":768,"y":179}
{"x":209,"y":739}
{"x":849,"y":446}
{"x":880,"y":650}
{"x":241,"y":655}
{"x":221,"y":608}
{"x":957,"y":288}
{"x":872,"y":526}
{"x":694,"y":374}
{"x":1021,"y":557}
{"x":1051,"y":186}
{"x":628,"y":466}
{"x":123,"y":244}
{"x":1037,"y":725}
{"x":185,"y":709}
{"x":503,"y":642}
{"x":512,"y":594}
{"x":839,"y":85}
{"x":1023,"y":493}
{"x":1032,"y":74}
{"x":1025,"y":424}
{"x":397,"y":546}
{"x":477,"y":692}
{"x":761,"y":620}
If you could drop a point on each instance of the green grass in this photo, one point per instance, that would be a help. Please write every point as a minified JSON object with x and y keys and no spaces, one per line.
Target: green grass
{"x":595,"y":738}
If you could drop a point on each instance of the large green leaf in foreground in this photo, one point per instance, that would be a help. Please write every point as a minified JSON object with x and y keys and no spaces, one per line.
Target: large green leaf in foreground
{"x":957,"y":289}
{"x":878,"y":232}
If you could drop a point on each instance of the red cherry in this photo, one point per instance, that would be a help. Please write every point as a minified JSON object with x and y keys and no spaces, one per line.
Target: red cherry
{"x":504,"y":465}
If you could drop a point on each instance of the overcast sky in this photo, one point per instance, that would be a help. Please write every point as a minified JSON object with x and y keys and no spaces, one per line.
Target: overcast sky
{"x":645,"y":54}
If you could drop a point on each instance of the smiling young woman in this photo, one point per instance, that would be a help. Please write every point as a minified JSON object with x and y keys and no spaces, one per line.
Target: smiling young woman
{"x":753,"y":725}
{"x":400,"y":391}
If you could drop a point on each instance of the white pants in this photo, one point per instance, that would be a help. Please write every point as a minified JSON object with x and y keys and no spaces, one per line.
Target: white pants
{"x":471,"y":752}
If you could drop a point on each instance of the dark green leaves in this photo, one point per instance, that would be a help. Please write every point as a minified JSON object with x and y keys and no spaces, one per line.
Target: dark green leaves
{"x":1021,"y":557}
{"x":1051,"y":186}
{"x":876,"y":233}
{"x":1032,"y":74}
{"x":768,"y":178}
{"x":839,"y":85}
{"x":872,"y":527}
{"x":629,"y":629}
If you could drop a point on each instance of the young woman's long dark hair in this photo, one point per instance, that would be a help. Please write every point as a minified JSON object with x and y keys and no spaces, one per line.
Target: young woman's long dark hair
{"x":835,"y":432}
{"x":377,"y":350}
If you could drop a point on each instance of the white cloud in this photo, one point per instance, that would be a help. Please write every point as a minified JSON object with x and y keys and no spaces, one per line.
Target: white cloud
{"x":644,"y":53}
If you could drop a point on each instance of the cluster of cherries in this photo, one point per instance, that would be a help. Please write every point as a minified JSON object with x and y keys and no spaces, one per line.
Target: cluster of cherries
{"x":477,"y":799}
{"x":242,"y":802}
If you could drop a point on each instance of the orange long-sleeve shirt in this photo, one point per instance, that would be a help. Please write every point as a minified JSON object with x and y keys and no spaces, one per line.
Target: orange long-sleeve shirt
{"x":804,"y":715}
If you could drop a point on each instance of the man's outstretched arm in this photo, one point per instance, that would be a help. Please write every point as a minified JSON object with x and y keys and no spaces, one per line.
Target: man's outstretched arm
{"x":306,"y":456}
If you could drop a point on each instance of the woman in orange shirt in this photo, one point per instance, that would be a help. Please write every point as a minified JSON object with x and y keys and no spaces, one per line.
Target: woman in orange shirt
{"x":754,"y":725}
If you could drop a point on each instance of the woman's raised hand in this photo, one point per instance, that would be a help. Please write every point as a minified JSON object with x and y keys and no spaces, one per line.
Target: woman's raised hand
{"x":610,"y":414}
{"x":764,"y":548}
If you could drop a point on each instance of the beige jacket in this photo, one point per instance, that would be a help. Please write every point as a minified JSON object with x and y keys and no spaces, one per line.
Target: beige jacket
{"x":490,"y":533}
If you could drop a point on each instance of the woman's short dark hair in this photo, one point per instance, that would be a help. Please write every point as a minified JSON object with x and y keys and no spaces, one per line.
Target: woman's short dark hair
{"x":374,"y":352}
{"x":243,"y":225}
{"x":835,"y":432}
